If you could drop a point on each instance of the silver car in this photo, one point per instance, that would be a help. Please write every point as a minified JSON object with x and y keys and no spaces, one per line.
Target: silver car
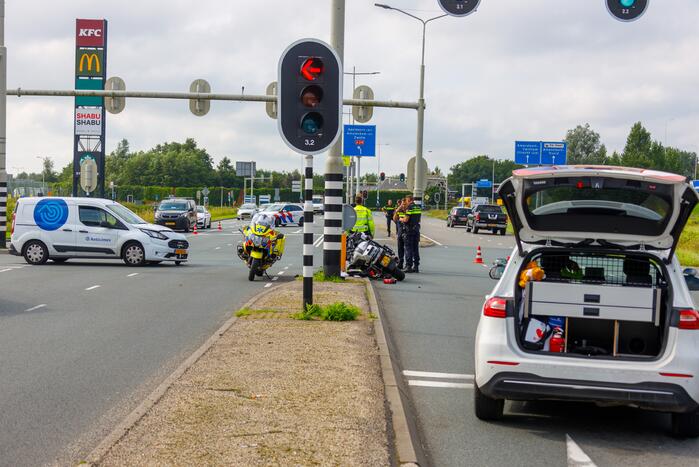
{"x":246,"y":211}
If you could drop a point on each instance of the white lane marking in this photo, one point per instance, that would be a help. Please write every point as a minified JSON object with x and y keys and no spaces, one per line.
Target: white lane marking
{"x":132,"y":274}
{"x":93,"y":287}
{"x":217,"y":248}
{"x":298,"y":231}
{"x":439,"y":384}
{"x":5,"y":270}
{"x":576,"y":456}
{"x":431,"y":239}
{"x":499,"y":244}
{"x":286,"y":267}
{"x":280,"y":273}
{"x":433,"y":374}
{"x":230,"y":244}
{"x":36,"y":307}
{"x":268,"y":285}
{"x":318,"y":241}
{"x":275,"y":278}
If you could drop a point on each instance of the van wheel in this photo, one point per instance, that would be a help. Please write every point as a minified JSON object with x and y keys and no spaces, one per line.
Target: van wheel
{"x":133,"y":254}
{"x":35,"y":252}
{"x":686,"y":425}
{"x":487,"y":409}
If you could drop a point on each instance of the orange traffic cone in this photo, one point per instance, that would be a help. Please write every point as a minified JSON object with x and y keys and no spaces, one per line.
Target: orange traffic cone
{"x":479,"y":256}
{"x":219,"y":226}
{"x":195,"y":230}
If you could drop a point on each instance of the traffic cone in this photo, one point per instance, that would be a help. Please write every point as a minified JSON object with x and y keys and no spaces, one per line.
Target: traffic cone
{"x":195,"y":230}
{"x":219,"y":226}
{"x":479,"y":256}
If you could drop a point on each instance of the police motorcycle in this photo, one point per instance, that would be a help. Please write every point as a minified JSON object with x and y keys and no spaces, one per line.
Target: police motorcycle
{"x":261,"y":246}
{"x":368,"y":258}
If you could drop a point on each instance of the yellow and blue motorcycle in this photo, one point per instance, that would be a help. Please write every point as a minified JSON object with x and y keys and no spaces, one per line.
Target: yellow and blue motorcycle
{"x":261,"y":246}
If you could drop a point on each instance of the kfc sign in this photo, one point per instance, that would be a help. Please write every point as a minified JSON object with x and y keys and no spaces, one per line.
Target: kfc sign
{"x":90,"y":32}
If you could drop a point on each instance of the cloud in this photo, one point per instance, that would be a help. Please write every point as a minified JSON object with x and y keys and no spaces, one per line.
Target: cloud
{"x":512,"y":70}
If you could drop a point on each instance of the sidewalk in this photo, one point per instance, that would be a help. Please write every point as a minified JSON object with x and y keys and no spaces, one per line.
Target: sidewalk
{"x":271,"y":391}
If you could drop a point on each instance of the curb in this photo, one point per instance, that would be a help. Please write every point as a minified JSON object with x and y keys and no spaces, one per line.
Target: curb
{"x":404,"y":448}
{"x":98,"y":453}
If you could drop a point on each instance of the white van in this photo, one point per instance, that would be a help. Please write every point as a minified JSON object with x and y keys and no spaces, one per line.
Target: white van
{"x":63,"y":228}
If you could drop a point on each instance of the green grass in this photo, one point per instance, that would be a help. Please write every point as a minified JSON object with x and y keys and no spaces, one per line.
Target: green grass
{"x":437,"y":213}
{"x":339,"y":311}
{"x":320,"y":276}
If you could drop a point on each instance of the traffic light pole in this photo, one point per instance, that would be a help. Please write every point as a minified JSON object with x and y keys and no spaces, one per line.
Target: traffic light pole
{"x":332,"y":229}
{"x":308,"y":232}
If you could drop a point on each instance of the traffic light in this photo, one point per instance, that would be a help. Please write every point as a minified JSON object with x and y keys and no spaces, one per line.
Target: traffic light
{"x":459,"y":7}
{"x":402,"y":177}
{"x":627,"y":10}
{"x":382,"y":176}
{"x":309,"y":98}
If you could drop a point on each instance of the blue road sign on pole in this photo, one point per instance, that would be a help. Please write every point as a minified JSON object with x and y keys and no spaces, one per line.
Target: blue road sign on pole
{"x":528,"y":152}
{"x":540,"y":152}
{"x":695,"y":184}
{"x":359,"y":140}
{"x":553,"y":153}
{"x":484,"y":183}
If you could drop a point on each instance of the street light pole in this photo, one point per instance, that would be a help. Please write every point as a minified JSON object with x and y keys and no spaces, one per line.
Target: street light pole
{"x":419,"y":175}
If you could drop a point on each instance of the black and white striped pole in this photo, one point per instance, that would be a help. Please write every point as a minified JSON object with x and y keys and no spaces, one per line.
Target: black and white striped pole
{"x":309,"y":111}
{"x":308,"y":233}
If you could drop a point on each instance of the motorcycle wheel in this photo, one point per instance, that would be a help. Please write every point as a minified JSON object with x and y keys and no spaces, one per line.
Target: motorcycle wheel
{"x":254,"y":265}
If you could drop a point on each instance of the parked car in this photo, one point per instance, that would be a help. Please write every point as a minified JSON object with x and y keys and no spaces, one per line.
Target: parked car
{"x":458,"y":216}
{"x":286,"y":214}
{"x":487,"y":216}
{"x":593,"y":305}
{"x":62,"y":228}
{"x":246,"y":211}
{"x":177,"y":213}
{"x":203,"y":217}
{"x":318,"y":204}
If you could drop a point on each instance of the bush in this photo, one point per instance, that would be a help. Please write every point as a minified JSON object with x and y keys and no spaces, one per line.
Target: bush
{"x":338,"y":311}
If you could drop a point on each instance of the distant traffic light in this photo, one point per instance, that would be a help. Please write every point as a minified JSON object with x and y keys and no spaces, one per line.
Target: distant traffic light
{"x":401,"y":177}
{"x":627,"y":10}
{"x":459,"y":7}
{"x":382,"y":176}
{"x":310,"y":96}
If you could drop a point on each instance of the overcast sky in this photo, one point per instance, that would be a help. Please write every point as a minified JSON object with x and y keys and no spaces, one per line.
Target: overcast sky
{"x":513,"y":70}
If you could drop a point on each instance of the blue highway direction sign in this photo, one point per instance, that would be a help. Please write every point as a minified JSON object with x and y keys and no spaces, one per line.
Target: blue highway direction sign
{"x":528,"y":152}
{"x":541,"y":152}
{"x":359,"y":140}
{"x":553,"y":153}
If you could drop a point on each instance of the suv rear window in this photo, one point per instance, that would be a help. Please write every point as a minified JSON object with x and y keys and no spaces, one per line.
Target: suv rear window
{"x":461,"y":212}
{"x":598,"y":205}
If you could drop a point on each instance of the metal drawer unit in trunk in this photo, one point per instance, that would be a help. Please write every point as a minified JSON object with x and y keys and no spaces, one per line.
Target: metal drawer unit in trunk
{"x":617,"y":303}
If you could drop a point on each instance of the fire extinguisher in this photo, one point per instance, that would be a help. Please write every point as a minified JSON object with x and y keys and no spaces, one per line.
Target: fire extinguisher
{"x":557,"y":342}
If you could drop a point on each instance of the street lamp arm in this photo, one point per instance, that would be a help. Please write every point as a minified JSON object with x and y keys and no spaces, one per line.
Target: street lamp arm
{"x":436,"y":17}
{"x":388,"y":7}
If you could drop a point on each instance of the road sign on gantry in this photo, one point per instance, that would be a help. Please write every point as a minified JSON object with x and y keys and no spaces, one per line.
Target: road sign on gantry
{"x":459,"y":7}
{"x":528,"y":152}
{"x":553,"y":153}
{"x":309,"y":102}
{"x":627,"y":10}
{"x":359,"y":140}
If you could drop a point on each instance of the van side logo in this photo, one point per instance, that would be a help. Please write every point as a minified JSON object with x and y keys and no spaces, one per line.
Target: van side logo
{"x":51,"y":214}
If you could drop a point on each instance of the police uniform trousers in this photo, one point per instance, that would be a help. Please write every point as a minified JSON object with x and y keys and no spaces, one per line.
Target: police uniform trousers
{"x":400,"y":237}
{"x":412,"y":246}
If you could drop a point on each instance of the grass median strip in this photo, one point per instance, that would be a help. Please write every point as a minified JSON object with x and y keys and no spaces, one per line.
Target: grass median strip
{"x":274,"y":390}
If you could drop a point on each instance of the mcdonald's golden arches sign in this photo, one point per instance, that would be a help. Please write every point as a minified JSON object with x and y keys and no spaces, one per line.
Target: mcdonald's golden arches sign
{"x":89,"y":62}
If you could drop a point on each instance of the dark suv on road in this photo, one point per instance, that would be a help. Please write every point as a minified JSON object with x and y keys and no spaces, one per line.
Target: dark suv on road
{"x":177,"y":213}
{"x":458,"y":216}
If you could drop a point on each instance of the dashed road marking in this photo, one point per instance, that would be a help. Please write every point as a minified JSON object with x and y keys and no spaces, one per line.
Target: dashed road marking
{"x":268,"y":285}
{"x":132,"y":274}
{"x":298,"y":231}
{"x":5,"y":270}
{"x":439,"y":384}
{"x":280,"y":273}
{"x":93,"y":287}
{"x":275,"y":278}
{"x":286,"y":267}
{"x":230,"y":244}
{"x":36,"y":307}
{"x":319,"y":241}
{"x":431,"y":239}
{"x":217,"y":248}
{"x":576,"y":456}
{"x":434,"y":374}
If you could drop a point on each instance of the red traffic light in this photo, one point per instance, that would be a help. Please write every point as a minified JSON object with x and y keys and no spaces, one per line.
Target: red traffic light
{"x":383,"y":176}
{"x":312,"y":68}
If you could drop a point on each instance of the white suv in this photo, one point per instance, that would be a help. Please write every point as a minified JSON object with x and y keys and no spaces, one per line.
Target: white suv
{"x":611,"y":321}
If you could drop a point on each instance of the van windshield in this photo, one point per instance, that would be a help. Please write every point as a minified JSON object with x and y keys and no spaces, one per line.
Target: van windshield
{"x":126,"y":214}
{"x":598,"y":204}
{"x":170,"y":206}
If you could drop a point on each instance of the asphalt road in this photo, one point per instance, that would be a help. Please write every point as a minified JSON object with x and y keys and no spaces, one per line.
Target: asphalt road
{"x":432,"y":319}
{"x":81,"y":343}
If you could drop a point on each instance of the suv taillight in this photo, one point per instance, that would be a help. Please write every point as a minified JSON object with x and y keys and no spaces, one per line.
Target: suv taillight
{"x":689,"y":319}
{"x":478,"y":216}
{"x":495,"y":307}
{"x":12,"y":229}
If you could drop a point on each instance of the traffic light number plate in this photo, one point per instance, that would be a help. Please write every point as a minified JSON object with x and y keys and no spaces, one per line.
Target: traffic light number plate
{"x":309,"y":142}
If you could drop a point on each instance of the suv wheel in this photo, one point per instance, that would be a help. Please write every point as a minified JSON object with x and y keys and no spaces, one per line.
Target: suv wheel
{"x":487,"y":408}
{"x":686,"y":425}
{"x":301,"y":222}
{"x":35,"y":252}
{"x":134,"y":254}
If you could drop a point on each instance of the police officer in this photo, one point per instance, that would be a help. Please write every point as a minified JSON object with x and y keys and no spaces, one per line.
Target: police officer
{"x":400,"y":230}
{"x":365,"y":221}
{"x":411,"y":224}
{"x":389,"y":209}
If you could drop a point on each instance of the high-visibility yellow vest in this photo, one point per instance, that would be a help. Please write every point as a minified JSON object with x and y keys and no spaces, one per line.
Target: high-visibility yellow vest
{"x":365,"y":221}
